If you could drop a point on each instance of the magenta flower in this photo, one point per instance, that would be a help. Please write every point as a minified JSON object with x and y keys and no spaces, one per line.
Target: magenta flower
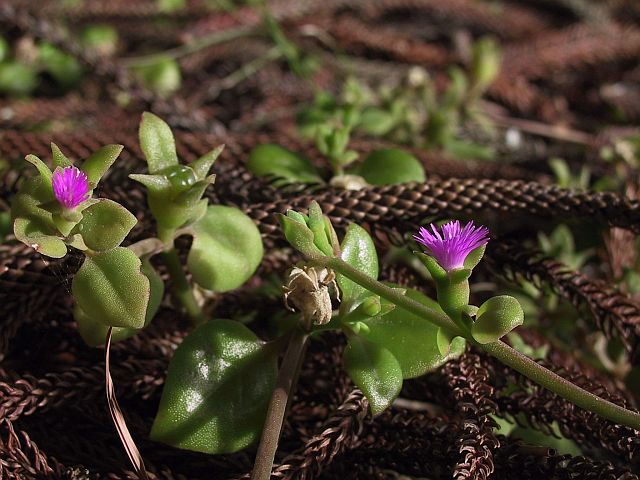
{"x":70,"y":186}
{"x":450,"y":249}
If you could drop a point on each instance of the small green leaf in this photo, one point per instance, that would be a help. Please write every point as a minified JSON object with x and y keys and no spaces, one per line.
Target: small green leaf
{"x":316,"y":224}
{"x":390,"y":166}
{"x":44,"y":171}
{"x":157,"y":143}
{"x":17,"y":78}
{"x":299,"y":235}
{"x":217,"y":390}
{"x":274,"y":160}
{"x":111,"y":288}
{"x":163,"y":75}
{"x":31,"y":232}
{"x":358,"y":251}
{"x":444,"y":340}
{"x":437,"y":272}
{"x":497,"y":317}
{"x":154,"y":183}
{"x":64,"y":68}
{"x":101,"y":38}
{"x":459,"y":275}
{"x":59,"y":158}
{"x":100,"y":161}
{"x":34,"y":225}
{"x":105,"y":225}
{"x":377,"y":122}
{"x":227,"y":249}
{"x":412,"y":340}
{"x":474,"y":257}
{"x":193,"y":195}
{"x":375,"y":371}
{"x":204,"y":163}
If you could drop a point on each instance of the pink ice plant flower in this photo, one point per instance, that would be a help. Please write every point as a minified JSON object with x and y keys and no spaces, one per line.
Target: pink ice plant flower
{"x":451,"y":246}
{"x":70,"y":186}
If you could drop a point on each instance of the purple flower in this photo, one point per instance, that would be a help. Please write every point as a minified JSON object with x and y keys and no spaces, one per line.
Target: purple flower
{"x":451,"y":247}
{"x":70,"y":186}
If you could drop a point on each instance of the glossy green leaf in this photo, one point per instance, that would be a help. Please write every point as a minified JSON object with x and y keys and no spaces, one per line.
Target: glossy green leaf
{"x":390,"y":166}
{"x":413,"y":341}
{"x":105,"y":225}
{"x":111,"y":288}
{"x":274,"y":160}
{"x":497,"y":317}
{"x":358,"y":251}
{"x":100,"y":161}
{"x":226,"y":250}
{"x":217,"y":390}
{"x":157,"y":143}
{"x":375,"y":371}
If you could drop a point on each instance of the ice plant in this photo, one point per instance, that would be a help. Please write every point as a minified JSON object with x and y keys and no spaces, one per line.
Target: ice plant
{"x":70,"y":186}
{"x":451,"y":246}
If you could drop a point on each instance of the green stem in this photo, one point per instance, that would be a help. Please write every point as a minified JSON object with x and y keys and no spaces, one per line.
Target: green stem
{"x":499,"y":349}
{"x":287,"y":378}
{"x":561,"y":386}
{"x":199,"y":44}
{"x":181,"y":288}
{"x":435,"y":317}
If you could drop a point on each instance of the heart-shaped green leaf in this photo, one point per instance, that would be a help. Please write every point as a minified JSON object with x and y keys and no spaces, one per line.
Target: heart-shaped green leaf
{"x":111,"y":289}
{"x":157,"y":143}
{"x":226,"y":249}
{"x":94,"y":333}
{"x":389,"y":166}
{"x":412,"y":340}
{"x":217,"y":390}
{"x":105,"y":225}
{"x":358,"y":251}
{"x":375,"y":371}
{"x":497,"y":317}
{"x":274,"y":160}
